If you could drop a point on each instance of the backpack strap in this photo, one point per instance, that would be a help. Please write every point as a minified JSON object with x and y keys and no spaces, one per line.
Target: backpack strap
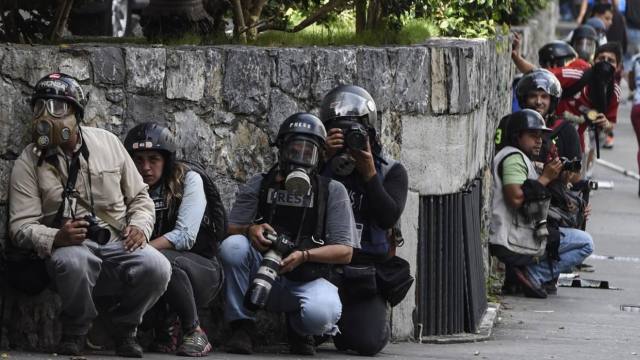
{"x":323,"y":198}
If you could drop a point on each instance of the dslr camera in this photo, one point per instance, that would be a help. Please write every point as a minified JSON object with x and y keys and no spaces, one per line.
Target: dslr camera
{"x":571,"y":165}
{"x":95,"y":232}
{"x":258,"y":293}
{"x":355,"y":137}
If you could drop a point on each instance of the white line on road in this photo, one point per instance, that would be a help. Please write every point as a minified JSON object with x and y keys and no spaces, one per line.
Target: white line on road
{"x":618,"y":168}
{"x":617,"y":258}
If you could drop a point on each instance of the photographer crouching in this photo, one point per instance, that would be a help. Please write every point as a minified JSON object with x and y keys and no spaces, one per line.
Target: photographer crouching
{"x":519,"y":233}
{"x":378,"y":189}
{"x":290,"y":225}
{"x":78,"y":202}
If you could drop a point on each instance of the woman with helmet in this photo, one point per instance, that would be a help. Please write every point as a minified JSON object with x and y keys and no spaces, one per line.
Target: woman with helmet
{"x":180,"y":203}
{"x":78,"y":201}
{"x":292,"y":202}
{"x":518,"y":230}
{"x":374,"y":182}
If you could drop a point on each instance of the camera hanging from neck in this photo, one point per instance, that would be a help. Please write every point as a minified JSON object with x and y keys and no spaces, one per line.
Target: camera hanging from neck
{"x":73,"y":168}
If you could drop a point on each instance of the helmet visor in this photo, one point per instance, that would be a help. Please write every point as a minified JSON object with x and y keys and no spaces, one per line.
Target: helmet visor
{"x":302,"y":152}
{"x":585,"y":48}
{"x":55,"y":107}
{"x":351,"y":105}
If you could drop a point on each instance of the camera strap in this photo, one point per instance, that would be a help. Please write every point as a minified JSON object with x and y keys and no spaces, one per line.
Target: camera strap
{"x":69,"y":187}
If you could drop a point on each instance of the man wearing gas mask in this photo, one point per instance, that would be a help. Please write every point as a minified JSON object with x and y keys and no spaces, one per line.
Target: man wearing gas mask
{"x":77,"y":201}
{"x":289,"y":225}
{"x":374,"y":183}
{"x":518,"y":231}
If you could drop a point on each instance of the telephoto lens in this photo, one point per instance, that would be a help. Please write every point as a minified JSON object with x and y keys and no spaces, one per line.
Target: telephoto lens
{"x":257,"y":295}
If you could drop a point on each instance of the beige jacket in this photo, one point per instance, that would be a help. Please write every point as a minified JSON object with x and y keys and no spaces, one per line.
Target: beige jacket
{"x":36,"y":191}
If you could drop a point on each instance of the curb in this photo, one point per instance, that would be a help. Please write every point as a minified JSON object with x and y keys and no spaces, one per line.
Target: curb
{"x":482,"y":334}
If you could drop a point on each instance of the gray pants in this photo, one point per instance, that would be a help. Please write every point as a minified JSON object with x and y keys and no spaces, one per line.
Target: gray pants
{"x":82,"y":271}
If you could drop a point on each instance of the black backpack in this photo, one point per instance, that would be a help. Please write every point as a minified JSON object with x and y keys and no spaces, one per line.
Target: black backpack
{"x":213,"y":228}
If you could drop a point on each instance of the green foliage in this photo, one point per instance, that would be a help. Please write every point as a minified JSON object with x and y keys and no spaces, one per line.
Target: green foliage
{"x":478,"y":18}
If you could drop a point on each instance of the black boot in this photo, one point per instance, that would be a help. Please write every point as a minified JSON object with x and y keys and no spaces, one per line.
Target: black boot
{"x":126,"y":343}
{"x":71,"y":345}
{"x":240,"y":341}
{"x":300,"y":344}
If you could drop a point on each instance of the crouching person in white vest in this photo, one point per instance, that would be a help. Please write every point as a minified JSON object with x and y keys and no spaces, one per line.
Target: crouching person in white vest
{"x":518,"y":233}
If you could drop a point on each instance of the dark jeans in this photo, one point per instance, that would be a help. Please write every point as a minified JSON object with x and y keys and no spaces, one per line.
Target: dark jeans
{"x":195,"y":282}
{"x":364,"y":325}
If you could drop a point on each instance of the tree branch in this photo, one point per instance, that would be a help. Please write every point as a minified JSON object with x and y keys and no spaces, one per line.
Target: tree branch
{"x":323,"y":11}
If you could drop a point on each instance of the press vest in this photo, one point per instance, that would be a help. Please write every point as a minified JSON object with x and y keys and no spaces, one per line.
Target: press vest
{"x":302,"y":218}
{"x":509,"y":228}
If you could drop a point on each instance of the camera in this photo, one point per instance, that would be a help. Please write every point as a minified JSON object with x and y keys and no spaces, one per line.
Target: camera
{"x":258,"y":293}
{"x":95,"y":232}
{"x":356,"y":138}
{"x":571,"y":165}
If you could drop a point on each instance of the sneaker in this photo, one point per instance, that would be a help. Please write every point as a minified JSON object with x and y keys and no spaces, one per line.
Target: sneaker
{"x":528,"y":286}
{"x":300,"y":344}
{"x":71,"y":345}
{"x":194,"y":343}
{"x":240,"y":341}
{"x":127,"y":344}
{"x":551,"y":287}
{"x":167,"y":336}
{"x":608,"y":143}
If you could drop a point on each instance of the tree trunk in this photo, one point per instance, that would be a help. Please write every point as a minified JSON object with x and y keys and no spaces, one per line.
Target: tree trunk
{"x":63,"y":10}
{"x":238,"y":22}
{"x":361,"y":15}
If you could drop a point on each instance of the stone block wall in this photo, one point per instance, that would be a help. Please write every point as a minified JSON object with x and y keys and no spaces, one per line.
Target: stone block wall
{"x":440,"y":102}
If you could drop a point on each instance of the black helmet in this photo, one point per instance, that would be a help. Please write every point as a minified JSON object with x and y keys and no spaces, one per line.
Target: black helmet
{"x":150,"y":136}
{"x":61,"y":86}
{"x":584,"y":32}
{"x":539,"y":79}
{"x":302,"y":124}
{"x":300,"y":142}
{"x":555,"y":53}
{"x":525,"y":119}
{"x":584,"y":40}
{"x":349,"y":101}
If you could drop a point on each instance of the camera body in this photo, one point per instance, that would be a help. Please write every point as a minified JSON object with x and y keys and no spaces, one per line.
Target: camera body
{"x":355,"y":137}
{"x":95,"y":232}
{"x":571,"y":165}
{"x":257,"y":295}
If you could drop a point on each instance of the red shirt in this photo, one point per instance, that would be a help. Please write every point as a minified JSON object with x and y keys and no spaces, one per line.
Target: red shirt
{"x":580,"y":103}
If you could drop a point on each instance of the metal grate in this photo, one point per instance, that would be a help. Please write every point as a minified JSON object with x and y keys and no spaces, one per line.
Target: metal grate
{"x":630,"y":308}
{"x":451,"y":294}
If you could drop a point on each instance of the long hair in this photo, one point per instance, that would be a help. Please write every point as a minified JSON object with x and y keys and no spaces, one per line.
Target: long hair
{"x":174,"y":183}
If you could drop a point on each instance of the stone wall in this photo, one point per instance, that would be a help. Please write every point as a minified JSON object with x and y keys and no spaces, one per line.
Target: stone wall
{"x":440,"y":102}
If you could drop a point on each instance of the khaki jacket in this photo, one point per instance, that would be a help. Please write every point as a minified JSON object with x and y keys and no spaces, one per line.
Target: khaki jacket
{"x":36,"y":191}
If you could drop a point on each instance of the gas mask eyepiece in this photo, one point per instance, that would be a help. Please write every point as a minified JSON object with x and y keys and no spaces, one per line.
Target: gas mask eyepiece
{"x":299,"y":160}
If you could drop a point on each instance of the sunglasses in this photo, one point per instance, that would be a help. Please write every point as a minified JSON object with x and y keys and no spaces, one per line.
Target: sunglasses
{"x":55,"y":107}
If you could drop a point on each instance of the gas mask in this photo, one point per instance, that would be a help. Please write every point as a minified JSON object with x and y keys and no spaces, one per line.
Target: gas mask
{"x":602,"y":88}
{"x":585,"y":49}
{"x":53,"y":123}
{"x":298,"y":161}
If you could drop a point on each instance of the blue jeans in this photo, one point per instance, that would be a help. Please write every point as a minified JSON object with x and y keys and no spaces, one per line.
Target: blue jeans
{"x":314,"y":307}
{"x":575,"y":246}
